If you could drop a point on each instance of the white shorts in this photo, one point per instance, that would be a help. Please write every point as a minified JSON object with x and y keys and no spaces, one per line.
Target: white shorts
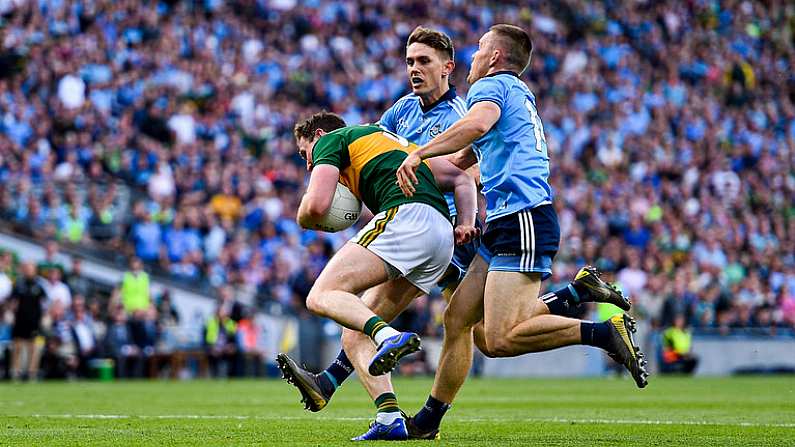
{"x":413,"y":238}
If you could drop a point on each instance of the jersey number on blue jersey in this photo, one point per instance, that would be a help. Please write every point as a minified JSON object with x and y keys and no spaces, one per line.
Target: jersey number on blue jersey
{"x":538,"y":128}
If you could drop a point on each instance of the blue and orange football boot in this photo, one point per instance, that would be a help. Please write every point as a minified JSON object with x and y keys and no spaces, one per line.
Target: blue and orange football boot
{"x":395,"y":431}
{"x":391,"y":350}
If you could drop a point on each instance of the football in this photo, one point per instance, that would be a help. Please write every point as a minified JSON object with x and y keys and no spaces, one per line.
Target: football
{"x":345,"y":210}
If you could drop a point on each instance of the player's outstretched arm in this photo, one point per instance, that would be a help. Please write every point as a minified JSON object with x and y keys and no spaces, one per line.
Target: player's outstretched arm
{"x":479,"y":120}
{"x":319,"y":194}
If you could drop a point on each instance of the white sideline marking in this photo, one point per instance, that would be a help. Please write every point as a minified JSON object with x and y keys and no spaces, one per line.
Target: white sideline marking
{"x":550,"y":420}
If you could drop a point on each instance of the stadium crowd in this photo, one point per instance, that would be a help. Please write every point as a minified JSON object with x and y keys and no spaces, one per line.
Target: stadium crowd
{"x":57,"y":323}
{"x":671,"y":128}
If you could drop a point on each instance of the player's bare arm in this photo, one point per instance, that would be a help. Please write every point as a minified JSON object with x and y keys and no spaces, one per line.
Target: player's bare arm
{"x":480,"y":118}
{"x":467,"y":160}
{"x":318,"y":197}
{"x":451,"y":178}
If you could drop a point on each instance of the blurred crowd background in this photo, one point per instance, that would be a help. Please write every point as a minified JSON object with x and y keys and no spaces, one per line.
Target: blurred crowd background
{"x":162,"y":131}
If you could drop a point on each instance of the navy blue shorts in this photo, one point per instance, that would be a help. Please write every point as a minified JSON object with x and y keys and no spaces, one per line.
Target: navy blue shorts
{"x":462,"y":257}
{"x":526,"y":241}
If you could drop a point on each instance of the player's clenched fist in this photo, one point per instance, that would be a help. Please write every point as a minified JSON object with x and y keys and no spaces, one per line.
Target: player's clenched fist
{"x":464,"y":234}
{"x":406,"y":174}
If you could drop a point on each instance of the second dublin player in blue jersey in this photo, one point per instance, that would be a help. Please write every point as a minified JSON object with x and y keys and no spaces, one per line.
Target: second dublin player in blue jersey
{"x":420,"y":120}
{"x":502,"y":284}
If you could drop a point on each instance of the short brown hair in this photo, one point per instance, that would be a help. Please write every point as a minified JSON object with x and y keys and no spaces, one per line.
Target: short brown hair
{"x":516,"y":43}
{"x":437,"y":40}
{"x":321,"y":120}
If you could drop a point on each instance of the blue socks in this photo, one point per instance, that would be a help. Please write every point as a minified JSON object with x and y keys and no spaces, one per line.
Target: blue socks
{"x":336,"y":373}
{"x":563,"y":302}
{"x":431,"y":414}
{"x":595,"y":334}
{"x":558,"y":302}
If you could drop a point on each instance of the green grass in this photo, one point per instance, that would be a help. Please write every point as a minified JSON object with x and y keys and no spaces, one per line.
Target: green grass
{"x":590,"y":412}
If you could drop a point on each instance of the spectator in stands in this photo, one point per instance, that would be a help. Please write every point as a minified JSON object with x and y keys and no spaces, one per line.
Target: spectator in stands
{"x":677,"y":348}
{"x":215,"y":238}
{"x":102,"y":223}
{"x":167,"y":314}
{"x":78,"y":284}
{"x":82,"y":327}
{"x":147,"y":236}
{"x":175,"y":240}
{"x":6,"y":282}
{"x":119,"y":344}
{"x":167,"y":324}
{"x":53,"y":364}
{"x":28,"y":298}
{"x":99,"y":321}
{"x":6,"y":324}
{"x":50,"y":261}
{"x":60,"y":359}
{"x":74,"y":227}
{"x":226,"y":205}
{"x":786,"y":302}
{"x":161,"y":183}
{"x":632,"y":277}
{"x":55,"y":289}
{"x":680,"y":301}
{"x":762,"y":321}
{"x":144,"y":330}
{"x":230,"y":305}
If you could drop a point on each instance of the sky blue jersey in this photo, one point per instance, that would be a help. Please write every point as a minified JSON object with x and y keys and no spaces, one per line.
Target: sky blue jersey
{"x":514,"y":165}
{"x":418,"y":124}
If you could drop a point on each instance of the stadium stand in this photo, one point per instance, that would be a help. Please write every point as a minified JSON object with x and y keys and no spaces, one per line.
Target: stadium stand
{"x":164,"y":132}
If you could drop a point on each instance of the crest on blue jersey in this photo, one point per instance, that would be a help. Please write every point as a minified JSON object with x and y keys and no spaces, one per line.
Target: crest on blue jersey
{"x":435,"y":131}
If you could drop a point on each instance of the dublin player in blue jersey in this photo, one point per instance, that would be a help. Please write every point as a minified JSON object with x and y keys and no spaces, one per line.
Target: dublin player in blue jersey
{"x":502,"y":284}
{"x":422,"y":115}
{"x":431,"y":108}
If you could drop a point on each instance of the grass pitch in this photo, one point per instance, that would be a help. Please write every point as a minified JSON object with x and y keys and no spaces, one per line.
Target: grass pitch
{"x":589,"y":412}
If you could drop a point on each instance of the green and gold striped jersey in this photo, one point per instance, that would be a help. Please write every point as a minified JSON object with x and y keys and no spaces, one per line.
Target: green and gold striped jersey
{"x":368,"y":158}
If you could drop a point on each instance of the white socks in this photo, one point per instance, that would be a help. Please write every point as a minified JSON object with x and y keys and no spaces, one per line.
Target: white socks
{"x":383,"y":334}
{"x":387,"y":418}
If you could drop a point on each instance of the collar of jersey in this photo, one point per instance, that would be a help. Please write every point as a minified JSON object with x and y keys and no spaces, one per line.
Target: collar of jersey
{"x":450,"y":94}
{"x":502,"y":72}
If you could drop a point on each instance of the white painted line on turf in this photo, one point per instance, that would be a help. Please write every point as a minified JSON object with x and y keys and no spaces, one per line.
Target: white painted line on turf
{"x":634,"y":422}
{"x":83,"y":416}
{"x":182,"y":416}
{"x":548,"y":420}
